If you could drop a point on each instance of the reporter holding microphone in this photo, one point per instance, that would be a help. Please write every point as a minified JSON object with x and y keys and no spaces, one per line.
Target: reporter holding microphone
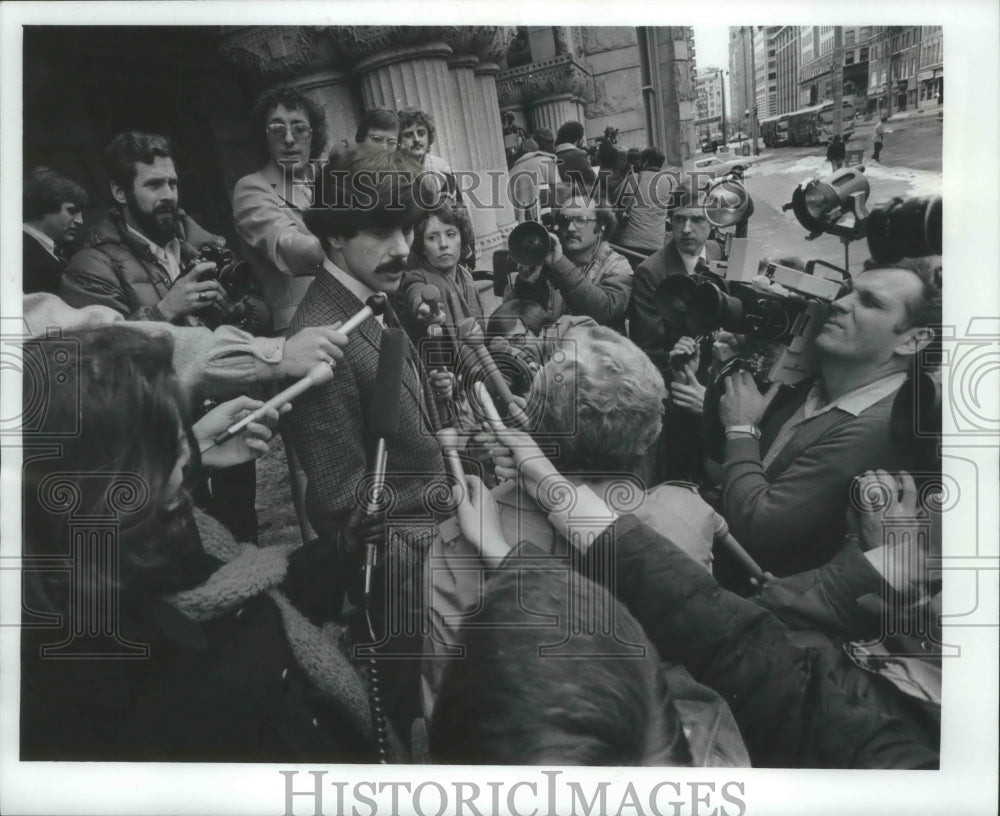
{"x":441,"y":240}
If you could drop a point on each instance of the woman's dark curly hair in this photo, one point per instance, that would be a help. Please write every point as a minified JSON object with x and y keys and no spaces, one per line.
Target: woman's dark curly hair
{"x":448,"y":213}
{"x":292,"y":99}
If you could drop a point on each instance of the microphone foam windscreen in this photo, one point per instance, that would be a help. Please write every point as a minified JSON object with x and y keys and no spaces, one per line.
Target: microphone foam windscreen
{"x":384,"y":410}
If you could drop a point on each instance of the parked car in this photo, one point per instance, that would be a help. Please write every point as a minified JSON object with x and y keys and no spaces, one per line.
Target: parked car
{"x":724,"y":164}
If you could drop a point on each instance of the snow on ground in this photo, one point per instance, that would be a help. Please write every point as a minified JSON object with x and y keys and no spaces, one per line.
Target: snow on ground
{"x":918,"y":182}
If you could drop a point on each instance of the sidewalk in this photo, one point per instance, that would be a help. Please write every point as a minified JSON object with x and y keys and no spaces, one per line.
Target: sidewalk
{"x":899,"y":116}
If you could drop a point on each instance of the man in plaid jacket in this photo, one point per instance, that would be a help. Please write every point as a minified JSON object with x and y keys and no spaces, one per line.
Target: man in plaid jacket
{"x":365,"y":221}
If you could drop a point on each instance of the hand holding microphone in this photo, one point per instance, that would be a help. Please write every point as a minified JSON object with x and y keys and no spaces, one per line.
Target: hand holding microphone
{"x":429,"y":312}
{"x":319,"y":374}
{"x":473,"y":338}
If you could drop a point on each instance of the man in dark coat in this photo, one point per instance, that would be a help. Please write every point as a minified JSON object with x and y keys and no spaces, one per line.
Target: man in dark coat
{"x":53,"y":215}
{"x":685,"y":253}
{"x":142,"y":260}
{"x":789,"y":710}
{"x":789,"y":460}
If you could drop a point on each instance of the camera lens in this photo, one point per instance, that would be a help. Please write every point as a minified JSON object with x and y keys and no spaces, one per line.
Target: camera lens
{"x":711,"y":308}
{"x":908,"y":228}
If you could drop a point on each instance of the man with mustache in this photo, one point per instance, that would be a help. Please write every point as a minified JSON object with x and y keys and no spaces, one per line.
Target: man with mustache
{"x":53,"y":218}
{"x":582,"y":274}
{"x":140,"y":259}
{"x":365,"y":221}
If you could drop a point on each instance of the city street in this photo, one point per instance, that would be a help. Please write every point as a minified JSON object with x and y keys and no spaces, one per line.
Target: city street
{"x":911,"y":166}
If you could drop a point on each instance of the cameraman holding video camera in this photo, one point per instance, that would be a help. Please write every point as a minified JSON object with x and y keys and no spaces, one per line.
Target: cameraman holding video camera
{"x":788,"y":462}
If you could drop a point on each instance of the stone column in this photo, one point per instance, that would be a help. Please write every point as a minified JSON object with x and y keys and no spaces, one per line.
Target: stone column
{"x":472,"y":121}
{"x":552,"y":89}
{"x":674,"y":87}
{"x":416,"y":76}
{"x":486,"y":77}
{"x":553,"y":111}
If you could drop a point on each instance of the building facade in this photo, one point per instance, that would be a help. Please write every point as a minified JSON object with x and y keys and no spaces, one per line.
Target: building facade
{"x":931,"y":76}
{"x":894,"y":83}
{"x":787,"y":52}
{"x":709,"y":105}
{"x":196,"y":84}
{"x":638,"y":80}
{"x":765,"y":71}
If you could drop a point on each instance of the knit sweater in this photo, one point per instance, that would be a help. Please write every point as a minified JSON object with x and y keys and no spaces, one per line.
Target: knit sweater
{"x":790,"y":515}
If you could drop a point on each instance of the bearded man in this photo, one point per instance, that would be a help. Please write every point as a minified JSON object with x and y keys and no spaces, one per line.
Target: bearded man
{"x":140,"y":260}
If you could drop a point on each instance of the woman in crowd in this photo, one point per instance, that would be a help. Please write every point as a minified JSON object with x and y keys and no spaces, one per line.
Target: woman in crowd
{"x":181,"y":644}
{"x":440,"y":242}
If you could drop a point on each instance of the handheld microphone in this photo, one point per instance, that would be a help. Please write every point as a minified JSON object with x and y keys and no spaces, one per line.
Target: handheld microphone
{"x":431,"y":295}
{"x":486,"y":402}
{"x":474,"y":339}
{"x":743,"y":557}
{"x":448,"y":438}
{"x":318,"y":375}
{"x":383,"y":424}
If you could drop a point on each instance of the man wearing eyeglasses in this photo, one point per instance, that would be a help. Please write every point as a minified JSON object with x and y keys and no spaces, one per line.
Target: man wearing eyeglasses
{"x":268,"y":205}
{"x":379,"y":126}
{"x":685,"y":252}
{"x":582,"y":274}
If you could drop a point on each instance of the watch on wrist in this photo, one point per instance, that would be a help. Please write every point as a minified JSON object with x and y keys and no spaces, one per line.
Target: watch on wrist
{"x":743,"y":430}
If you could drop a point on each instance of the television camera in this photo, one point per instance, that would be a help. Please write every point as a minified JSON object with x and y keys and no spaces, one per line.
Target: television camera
{"x":780,"y":309}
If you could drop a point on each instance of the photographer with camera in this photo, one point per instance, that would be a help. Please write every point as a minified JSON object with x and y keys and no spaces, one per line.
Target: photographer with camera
{"x":788,"y":462}
{"x":582,"y":274}
{"x":143,"y":260}
{"x":149,"y":260}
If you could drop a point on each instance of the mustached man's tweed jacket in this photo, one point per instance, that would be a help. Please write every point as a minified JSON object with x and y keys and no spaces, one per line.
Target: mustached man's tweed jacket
{"x":329,"y":424}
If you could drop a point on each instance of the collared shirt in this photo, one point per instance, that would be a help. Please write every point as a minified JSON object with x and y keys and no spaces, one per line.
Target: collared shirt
{"x":853,"y":402}
{"x":169,"y":255}
{"x":691,"y":261}
{"x":360,"y":290}
{"x":47,"y":243}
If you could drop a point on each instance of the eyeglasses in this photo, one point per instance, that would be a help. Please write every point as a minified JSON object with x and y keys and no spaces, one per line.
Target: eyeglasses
{"x":388,"y":141}
{"x":278,"y":130}
{"x":578,"y":221}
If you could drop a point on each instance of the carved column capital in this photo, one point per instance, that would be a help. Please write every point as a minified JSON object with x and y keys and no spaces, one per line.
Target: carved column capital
{"x":269,"y":53}
{"x":539,"y":80}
